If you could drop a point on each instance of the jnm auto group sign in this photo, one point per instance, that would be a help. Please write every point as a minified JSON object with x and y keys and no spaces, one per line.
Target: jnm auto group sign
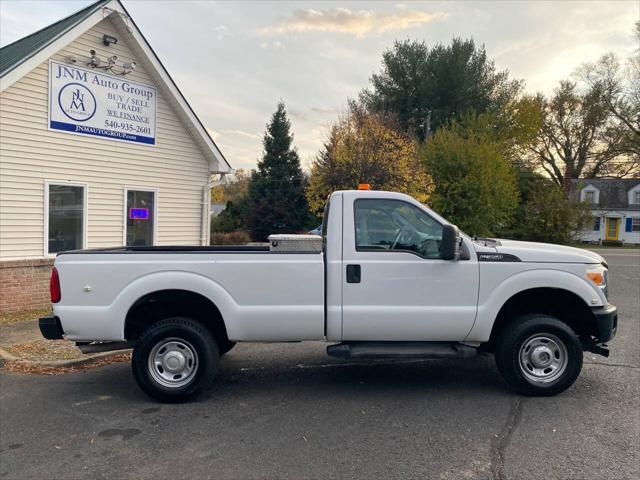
{"x":87,"y":102}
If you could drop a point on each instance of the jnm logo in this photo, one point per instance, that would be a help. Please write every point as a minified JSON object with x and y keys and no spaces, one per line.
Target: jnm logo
{"x":77,"y":102}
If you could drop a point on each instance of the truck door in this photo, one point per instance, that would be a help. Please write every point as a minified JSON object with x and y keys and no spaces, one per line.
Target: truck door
{"x":395,"y":285}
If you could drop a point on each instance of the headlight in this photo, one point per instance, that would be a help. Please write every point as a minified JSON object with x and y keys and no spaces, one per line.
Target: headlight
{"x":597,"y":274}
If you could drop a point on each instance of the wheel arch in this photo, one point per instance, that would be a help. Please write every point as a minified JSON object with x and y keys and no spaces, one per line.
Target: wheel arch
{"x":161,"y":304}
{"x":562,"y":304}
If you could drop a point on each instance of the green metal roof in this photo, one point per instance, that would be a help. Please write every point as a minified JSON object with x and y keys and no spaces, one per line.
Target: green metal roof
{"x":21,"y":50}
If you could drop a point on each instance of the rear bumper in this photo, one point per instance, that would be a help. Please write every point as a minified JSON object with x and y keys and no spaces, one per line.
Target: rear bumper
{"x":606,"y":323}
{"x":51,"y":328}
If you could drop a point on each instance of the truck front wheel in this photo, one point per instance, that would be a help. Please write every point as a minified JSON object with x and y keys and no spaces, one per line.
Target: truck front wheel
{"x":538,"y":355}
{"x":175,"y":359}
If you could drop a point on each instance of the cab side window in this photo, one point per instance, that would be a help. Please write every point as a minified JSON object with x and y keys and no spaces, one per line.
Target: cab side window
{"x":394,"y":225}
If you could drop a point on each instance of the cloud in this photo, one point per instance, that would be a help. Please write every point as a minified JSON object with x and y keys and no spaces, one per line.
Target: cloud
{"x":242,"y":133}
{"x":482,"y":15}
{"x":325,"y":111}
{"x":220,"y":31}
{"x":277,"y":45}
{"x":343,"y":20}
{"x":215,"y":135}
{"x":212,"y":133}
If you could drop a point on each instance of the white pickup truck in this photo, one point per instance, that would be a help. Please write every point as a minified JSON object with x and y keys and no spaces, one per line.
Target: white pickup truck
{"x":391,"y":279}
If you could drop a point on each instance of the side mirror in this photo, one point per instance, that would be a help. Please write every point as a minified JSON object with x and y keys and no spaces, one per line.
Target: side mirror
{"x":450,"y":245}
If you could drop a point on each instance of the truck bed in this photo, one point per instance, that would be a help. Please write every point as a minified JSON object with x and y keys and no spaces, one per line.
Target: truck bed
{"x":264,"y":295}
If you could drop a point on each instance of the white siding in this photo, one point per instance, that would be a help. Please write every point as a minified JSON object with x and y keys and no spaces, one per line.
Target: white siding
{"x":630,"y":237}
{"x":589,"y":234}
{"x":30,"y":154}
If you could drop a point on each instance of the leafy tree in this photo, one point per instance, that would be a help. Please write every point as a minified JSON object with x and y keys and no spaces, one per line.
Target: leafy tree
{"x":217,"y":194}
{"x":233,"y":194}
{"x":361,"y":149}
{"x":276,"y":201}
{"x":545,"y":214}
{"x":448,"y":81}
{"x":474,"y":185}
{"x":235,"y":188}
{"x":577,"y":138}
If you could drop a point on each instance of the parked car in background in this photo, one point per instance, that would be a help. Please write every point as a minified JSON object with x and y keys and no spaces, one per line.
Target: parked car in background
{"x":316,"y":231}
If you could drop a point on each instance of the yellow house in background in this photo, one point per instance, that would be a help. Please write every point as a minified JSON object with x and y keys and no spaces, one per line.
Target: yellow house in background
{"x":615,"y":206}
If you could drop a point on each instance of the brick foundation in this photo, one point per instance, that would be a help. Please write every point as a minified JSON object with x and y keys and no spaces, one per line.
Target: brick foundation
{"x":24,"y":284}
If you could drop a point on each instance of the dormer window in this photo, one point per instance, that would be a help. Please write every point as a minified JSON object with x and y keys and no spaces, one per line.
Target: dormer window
{"x":590,"y":196}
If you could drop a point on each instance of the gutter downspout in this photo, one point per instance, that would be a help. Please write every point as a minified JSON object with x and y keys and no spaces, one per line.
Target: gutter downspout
{"x":205,"y":235}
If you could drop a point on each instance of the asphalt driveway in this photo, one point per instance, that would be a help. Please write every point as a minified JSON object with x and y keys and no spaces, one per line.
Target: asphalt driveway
{"x":289,"y":411}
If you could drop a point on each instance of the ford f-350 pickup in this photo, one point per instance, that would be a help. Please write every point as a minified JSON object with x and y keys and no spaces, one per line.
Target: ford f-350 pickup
{"x":392,"y":279}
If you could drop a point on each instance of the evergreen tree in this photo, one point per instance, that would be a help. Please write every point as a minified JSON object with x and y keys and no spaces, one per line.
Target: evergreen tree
{"x":276,"y":200}
{"x":443,"y":83}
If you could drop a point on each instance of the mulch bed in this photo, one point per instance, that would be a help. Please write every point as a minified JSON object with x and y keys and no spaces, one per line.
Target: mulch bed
{"x":23,"y":315}
{"x":20,"y":367}
{"x":45,"y":350}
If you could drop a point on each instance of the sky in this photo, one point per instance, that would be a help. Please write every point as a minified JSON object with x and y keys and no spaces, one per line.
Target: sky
{"x":234,"y":60}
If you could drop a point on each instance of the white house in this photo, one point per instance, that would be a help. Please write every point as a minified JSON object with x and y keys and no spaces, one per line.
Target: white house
{"x":615,"y":205}
{"x":98,"y":148}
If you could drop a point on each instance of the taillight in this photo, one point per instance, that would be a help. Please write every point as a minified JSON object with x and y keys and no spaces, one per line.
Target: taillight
{"x":54,"y":286}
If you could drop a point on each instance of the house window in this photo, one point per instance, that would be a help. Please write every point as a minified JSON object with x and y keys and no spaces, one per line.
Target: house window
{"x":635,"y":224}
{"x":636,"y":197}
{"x":590,"y":196}
{"x":596,"y":224}
{"x":140,"y":214}
{"x":65,"y":217}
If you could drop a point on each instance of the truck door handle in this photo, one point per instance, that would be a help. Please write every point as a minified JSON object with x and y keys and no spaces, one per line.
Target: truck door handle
{"x":353,"y":274}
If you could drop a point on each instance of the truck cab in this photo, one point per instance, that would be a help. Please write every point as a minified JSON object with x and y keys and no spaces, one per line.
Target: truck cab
{"x":386,"y":278}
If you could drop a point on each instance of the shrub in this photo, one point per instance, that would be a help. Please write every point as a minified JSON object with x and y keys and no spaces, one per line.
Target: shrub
{"x":238,"y":237}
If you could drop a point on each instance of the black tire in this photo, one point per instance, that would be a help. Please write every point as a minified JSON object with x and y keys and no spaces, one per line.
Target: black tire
{"x":225,"y":346}
{"x":523,"y":357}
{"x":190,"y":351}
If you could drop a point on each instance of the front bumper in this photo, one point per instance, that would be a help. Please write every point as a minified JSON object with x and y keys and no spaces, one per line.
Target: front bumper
{"x":51,"y":328}
{"x":606,"y":323}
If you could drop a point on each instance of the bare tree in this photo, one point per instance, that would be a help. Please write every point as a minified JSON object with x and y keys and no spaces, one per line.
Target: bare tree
{"x":581,"y":137}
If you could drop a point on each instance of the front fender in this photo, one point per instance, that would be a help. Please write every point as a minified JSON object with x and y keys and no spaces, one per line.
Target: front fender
{"x":491,"y":300}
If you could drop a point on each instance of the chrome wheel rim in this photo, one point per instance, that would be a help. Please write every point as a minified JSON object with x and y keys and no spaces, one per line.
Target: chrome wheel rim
{"x":173,"y":362}
{"x":543,"y":358}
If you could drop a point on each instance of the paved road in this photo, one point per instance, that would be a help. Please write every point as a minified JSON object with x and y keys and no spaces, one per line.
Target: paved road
{"x":288,"y":411}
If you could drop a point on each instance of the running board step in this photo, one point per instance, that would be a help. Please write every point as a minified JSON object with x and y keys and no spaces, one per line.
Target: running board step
{"x":401,"y":350}
{"x":97,"y":347}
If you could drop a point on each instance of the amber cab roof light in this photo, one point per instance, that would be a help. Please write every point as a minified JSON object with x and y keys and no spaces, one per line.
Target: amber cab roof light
{"x":364,"y":186}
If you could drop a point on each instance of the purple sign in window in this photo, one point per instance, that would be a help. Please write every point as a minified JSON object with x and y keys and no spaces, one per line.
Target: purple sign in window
{"x":139,"y":213}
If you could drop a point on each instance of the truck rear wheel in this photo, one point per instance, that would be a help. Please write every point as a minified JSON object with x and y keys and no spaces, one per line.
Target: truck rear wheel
{"x":175,"y":359}
{"x":539,"y":355}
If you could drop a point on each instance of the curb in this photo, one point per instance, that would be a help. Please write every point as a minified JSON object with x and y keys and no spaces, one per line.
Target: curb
{"x":88,"y":359}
